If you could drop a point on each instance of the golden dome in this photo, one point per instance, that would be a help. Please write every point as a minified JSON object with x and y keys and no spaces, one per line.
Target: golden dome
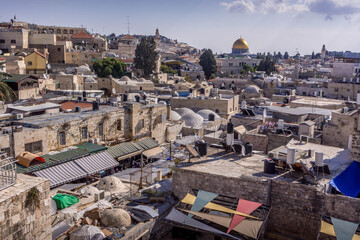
{"x":240,"y":44}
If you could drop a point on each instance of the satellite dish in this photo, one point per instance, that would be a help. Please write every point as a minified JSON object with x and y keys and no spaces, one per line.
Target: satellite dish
{"x":113,"y":90}
{"x":48,"y":66}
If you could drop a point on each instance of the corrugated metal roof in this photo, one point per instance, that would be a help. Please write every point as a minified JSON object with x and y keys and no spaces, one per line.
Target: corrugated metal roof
{"x":63,"y":173}
{"x":97,"y":162}
{"x":147,"y":143}
{"x":52,"y":160}
{"x":38,"y":107}
{"x":123,"y":149}
{"x":91,"y":147}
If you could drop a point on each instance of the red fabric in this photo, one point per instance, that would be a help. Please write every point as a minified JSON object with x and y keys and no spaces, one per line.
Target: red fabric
{"x":243,"y":206}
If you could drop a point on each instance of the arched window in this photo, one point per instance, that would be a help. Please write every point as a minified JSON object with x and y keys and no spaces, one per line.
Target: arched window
{"x":58,"y":31}
{"x":64,"y":31}
{"x":71,"y":31}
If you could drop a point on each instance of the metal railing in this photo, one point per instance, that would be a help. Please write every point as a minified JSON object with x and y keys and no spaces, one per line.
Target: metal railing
{"x":7,"y":171}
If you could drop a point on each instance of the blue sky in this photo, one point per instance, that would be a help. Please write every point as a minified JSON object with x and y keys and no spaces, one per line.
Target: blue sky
{"x":267,"y":25}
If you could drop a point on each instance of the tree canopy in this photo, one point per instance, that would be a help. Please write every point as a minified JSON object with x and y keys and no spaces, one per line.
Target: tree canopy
{"x":267,"y":65}
{"x":109,"y":66}
{"x":208,"y":63}
{"x":6,"y":92}
{"x":286,"y":55}
{"x":145,"y":56}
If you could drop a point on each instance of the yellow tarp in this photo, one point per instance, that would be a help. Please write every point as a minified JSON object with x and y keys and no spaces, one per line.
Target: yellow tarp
{"x":190,"y":199}
{"x":328,"y":229}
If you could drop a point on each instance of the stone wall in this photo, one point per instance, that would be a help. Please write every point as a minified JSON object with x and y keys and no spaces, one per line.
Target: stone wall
{"x":259,"y":141}
{"x":295,"y":208}
{"x":277,"y":140}
{"x":17,"y":220}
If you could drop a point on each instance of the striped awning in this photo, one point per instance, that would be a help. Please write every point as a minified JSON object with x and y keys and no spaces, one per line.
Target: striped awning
{"x":97,"y":162}
{"x":63,"y":173}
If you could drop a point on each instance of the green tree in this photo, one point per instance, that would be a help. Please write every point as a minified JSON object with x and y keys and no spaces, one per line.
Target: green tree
{"x":166,"y":69}
{"x":286,"y":55}
{"x":145,"y":56}
{"x":279,"y":55}
{"x":6,"y":92}
{"x":267,"y":65}
{"x":208,"y":63}
{"x":248,"y":68}
{"x":313,"y":55}
{"x":109,"y":66}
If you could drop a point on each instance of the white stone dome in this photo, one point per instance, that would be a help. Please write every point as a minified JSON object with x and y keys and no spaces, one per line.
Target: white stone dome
{"x":252,"y":89}
{"x":90,"y":80}
{"x":83,"y":69}
{"x":175,"y":116}
{"x":205,"y":113}
{"x":192,"y":119}
{"x":125,"y":79}
{"x":183,"y":111}
{"x":111,"y":184}
{"x":110,"y":54}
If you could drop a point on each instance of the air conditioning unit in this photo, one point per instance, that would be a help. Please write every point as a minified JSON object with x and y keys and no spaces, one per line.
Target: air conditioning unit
{"x":19,"y":116}
{"x":99,"y":196}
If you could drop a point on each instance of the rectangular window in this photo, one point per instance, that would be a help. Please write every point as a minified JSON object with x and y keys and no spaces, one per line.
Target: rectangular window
{"x":6,"y":150}
{"x":230,"y":64}
{"x":348,"y":90}
{"x":34,"y":147}
{"x":141,"y":123}
{"x":118,"y":125}
{"x":59,"y":49}
{"x":84,"y":133}
{"x":62,"y":138}
{"x":13,"y":41}
{"x":336,"y":90}
{"x":29,"y":63}
{"x":101,"y":129}
{"x":2,"y":40}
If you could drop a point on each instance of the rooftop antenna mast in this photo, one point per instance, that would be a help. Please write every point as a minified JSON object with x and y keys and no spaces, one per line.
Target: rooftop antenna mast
{"x":128,"y":24}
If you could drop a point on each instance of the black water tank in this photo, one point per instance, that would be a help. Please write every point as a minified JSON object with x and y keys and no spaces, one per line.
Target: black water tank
{"x":137,"y":98}
{"x":269,"y":166}
{"x":202,"y":91}
{"x":77,"y":109}
{"x":230,"y":127}
{"x":211,"y":117}
{"x":248,"y":148}
{"x":95,"y":106}
{"x":202,"y":146}
{"x":84,"y":94}
{"x":125,"y":98}
{"x":190,"y":90}
{"x":85,"y":99}
{"x":79,"y":98}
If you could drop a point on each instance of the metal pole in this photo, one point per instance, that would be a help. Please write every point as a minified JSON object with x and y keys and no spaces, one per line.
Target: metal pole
{"x":170,"y":150}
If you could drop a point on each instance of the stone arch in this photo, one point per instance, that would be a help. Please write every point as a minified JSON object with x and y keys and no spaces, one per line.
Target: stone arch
{"x":107,"y":92}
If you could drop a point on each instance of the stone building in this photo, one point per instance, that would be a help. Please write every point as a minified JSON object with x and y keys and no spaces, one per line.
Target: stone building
{"x":127,"y":45}
{"x":36,"y":63}
{"x":61,"y":32}
{"x":81,"y":57}
{"x":234,"y":66}
{"x":25,"y":86}
{"x":15,"y":64}
{"x":13,"y":39}
{"x":224,"y":106}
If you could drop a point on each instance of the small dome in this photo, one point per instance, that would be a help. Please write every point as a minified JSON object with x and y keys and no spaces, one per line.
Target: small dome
{"x":111,"y":184}
{"x":252,"y":89}
{"x":110,"y":54}
{"x":88,"y":190}
{"x":99,"y":39}
{"x":83,"y":69}
{"x":175,"y":116}
{"x":86,"y":232}
{"x":183,"y":111}
{"x":117,"y":218}
{"x":205,"y":113}
{"x":125,"y":79}
{"x":192,"y":119}
{"x":142,"y":80}
{"x":240,"y":44}
{"x":61,"y":73}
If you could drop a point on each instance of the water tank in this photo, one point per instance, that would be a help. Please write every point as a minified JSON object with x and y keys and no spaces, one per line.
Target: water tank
{"x":202,"y":147}
{"x":202,"y":91}
{"x":85,"y":99}
{"x":95,"y":106}
{"x":137,"y":98}
{"x":248,"y":148}
{"x":319,"y":159}
{"x":358,"y":99}
{"x":269,"y":166}
{"x":79,"y":98}
{"x":290,"y":156}
{"x":84,"y":94}
{"x":281,"y":123}
{"x":77,"y":109}
{"x":243,"y":104}
{"x":211,"y":117}
{"x":190,"y":90}
{"x":125,"y":97}
{"x":230,"y":127}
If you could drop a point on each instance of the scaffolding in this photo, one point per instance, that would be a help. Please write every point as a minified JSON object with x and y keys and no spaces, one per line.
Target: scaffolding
{"x":7,"y":171}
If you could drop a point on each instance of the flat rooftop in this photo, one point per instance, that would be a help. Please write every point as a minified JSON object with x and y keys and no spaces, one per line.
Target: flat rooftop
{"x":231,"y":164}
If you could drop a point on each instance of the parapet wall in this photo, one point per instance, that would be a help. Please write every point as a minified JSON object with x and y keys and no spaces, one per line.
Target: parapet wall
{"x":295,"y":208}
{"x":17,"y":219}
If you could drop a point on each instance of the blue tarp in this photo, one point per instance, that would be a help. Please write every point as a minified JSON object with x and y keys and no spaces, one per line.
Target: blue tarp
{"x":348,"y":182}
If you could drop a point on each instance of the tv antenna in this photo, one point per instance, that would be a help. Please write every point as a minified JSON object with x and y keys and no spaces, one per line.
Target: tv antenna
{"x":128,"y":24}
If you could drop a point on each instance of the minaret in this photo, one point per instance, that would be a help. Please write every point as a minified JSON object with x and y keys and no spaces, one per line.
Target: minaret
{"x":323,"y":52}
{"x":157,"y":37}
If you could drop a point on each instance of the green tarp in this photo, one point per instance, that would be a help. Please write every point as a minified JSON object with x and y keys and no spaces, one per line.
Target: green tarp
{"x":64,"y":201}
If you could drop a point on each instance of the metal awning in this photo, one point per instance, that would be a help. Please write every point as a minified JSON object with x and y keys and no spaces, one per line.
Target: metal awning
{"x":152,"y":152}
{"x":63,"y":173}
{"x":97,"y":162}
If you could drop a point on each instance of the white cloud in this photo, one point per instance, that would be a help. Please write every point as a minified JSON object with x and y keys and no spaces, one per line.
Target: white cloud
{"x":350,"y":9}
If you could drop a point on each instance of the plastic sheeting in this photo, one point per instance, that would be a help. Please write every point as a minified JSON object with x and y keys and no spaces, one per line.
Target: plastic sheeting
{"x":201,"y":200}
{"x":243,"y":206}
{"x":190,"y":199}
{"x":348,"y":182}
